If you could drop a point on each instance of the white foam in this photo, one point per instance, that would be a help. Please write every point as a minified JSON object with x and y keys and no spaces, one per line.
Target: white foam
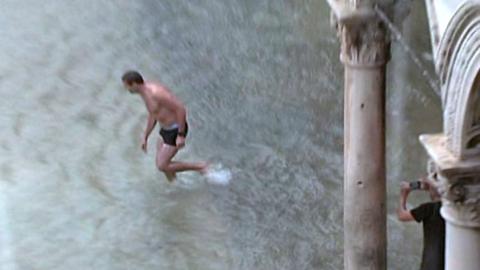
{"x":218,"y":175}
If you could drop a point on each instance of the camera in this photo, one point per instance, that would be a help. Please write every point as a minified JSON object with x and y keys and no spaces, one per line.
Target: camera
{"x":415,"y":185}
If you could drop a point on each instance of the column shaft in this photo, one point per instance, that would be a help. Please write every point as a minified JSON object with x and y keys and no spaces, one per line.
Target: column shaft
{"x":364,"y":189}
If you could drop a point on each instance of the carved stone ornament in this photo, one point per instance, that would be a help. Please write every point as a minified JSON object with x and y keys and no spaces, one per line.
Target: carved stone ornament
{"x":461,"y":201}
{"x":458,"y":65}
{"x":365,"y":44}
{"x":457,"y":181}
{"x":460,"y":196}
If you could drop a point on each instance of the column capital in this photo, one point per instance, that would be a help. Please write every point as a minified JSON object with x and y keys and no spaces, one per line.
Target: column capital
{"x":458,"y":181}
{"x":364,"y":45}
{"x":364,"y":37}
{"x":461,"y":203}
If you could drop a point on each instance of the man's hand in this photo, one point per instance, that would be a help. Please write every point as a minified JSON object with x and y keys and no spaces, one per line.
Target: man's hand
{"x":180,"y":142}
{"x":144,"y":145}
{"x":425,"y":182}
{"x":151,"y":122}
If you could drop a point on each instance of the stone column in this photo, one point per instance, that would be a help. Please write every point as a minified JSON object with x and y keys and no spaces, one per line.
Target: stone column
{"x":364,"y":52}
{"x":459,"y":184}
{"x":462,"y":232}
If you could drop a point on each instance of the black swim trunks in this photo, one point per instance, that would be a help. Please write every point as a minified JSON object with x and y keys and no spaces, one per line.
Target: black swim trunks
{"x":169,"y":135}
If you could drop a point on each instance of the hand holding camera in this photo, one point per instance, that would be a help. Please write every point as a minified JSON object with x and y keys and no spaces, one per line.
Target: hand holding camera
{"x":415,"y":185}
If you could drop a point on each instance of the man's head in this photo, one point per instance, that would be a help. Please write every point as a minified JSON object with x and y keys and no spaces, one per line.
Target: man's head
{"x":132,"y":81}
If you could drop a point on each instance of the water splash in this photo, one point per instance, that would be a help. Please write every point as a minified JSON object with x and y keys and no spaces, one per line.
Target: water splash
{"x":432,"y":81}
{"x":218,"y":175}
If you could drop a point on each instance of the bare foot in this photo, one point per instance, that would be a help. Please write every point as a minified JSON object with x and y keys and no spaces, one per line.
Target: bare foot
{"x":171,"y":177}
{"x":204,"y":168}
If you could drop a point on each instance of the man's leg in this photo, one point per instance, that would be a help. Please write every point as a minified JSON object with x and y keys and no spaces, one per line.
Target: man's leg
{"x":159,"y":160}
{"x":165,"y":153}
{"x":178,"y":166}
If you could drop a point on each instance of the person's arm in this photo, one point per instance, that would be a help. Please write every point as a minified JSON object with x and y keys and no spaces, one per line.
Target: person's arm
{"x":150,"y":125}
{"x":181,"y":115}
{"x":403,"y":213}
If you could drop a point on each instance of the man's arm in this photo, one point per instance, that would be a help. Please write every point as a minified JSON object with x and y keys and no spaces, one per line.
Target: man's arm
{"x":181,"y":115}
{"x":150,"y":125}
{"x":403,"y":213}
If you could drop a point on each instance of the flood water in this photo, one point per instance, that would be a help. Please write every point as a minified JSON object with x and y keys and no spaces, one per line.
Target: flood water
{"x":263,"y":85}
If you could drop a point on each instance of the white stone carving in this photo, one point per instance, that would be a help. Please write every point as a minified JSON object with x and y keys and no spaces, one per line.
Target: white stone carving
{"x":461,"y":201}
{"x":364,"y":44}
{"x":457,"y":180}
{"x":458,"y":65}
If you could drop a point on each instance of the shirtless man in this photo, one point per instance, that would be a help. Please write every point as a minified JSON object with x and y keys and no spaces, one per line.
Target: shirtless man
{"x":165,"y":108}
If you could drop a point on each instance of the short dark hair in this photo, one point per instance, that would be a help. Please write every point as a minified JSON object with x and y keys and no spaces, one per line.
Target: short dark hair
{"x":132,"y":76}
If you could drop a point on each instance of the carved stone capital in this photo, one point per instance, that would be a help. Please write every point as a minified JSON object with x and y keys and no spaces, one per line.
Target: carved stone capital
{"x":461,"y":200}
{"x":364,"y":37}
{"x":457,"y":180}
{"x":365,"y":44}
{"x":460,"y":196}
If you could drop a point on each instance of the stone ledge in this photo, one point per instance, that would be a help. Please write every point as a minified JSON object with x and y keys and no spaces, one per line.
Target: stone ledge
{"x":446,"y":162}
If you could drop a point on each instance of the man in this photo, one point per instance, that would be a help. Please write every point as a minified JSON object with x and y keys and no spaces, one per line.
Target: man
{"x":165,"y":108}
{"x":433,"y":257}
